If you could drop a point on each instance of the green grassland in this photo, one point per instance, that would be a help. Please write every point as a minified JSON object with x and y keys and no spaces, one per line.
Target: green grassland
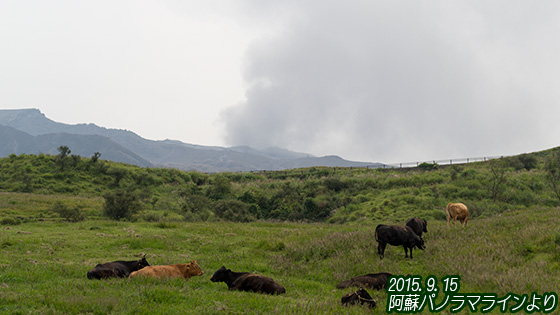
{"x":43,"y":265}
{"x":307,"y":228}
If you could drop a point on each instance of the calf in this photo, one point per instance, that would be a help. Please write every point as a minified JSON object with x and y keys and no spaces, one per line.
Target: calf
{"x":245,"y":281}
{"x":397,"y":235}
{"x":377,"y":281}
{"x":170,"y":271}
{"x":117,"y":269}
{"x":457,"y":211}
{"x":418,"y":225}
{"x":361,"y":296}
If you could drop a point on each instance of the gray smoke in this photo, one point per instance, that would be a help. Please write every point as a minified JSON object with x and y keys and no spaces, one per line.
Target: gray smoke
{"x":399,"y":81}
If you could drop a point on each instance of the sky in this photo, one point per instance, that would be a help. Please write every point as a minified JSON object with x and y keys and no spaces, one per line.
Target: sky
{"x":376,"y":81}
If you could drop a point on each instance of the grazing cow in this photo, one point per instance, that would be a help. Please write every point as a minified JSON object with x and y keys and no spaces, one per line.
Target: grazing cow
{"x":245,"y":281}
{"x":117,"y":269}
{"x":361,"y":296}
{"x":397,"y":235}
{"x":418,"y":225}
{"x":457,"y":211}
{"x":186,"y":271}
{"x":377,"y":281}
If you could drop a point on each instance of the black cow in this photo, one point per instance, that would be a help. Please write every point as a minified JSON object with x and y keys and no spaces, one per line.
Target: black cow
{"x":377,"y":281}
{"x":361,"y":296}
{"x":245,"y":281}
{"x":117,"y":269}
{"x":418,"y":225}
{"x":397,"y":235}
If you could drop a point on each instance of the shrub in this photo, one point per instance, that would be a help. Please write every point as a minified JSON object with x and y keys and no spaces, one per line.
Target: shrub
{"x":120,"y":204}
{"x":69,"y":214}
{"x":428,"y":166}
{"x":10,"y":221}
{"x":233,"y":210}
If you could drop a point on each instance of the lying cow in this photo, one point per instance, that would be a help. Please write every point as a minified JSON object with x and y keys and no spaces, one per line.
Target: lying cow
{"x":117,"y":269}
{"x":457,"y":211}
{"x":361,"y":296}
{"x":186,"y":271}
{"x":397,"y":235}
{"x":245,"y":281}
{"x":418,"y":225}
{"x":377,"y":281}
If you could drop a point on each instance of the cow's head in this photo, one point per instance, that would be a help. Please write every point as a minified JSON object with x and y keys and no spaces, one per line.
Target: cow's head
{"x":143,"y":262}
{"x":220,"y":275}
{"x":424,"y":226}
{"x":361,"y":296}
{"x":193,"y":269}
{"x":419,"y":242}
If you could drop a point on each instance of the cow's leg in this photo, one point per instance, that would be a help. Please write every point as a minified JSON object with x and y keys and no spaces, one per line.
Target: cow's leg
{"x":448,"y":220}
{"x":405,"y":251}
{"x":381,"y":250}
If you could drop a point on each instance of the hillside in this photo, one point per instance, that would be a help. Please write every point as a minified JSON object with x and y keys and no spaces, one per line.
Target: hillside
{"x":283,"y":224}
{"x":38,"y":134}
{"x":336,"y":195}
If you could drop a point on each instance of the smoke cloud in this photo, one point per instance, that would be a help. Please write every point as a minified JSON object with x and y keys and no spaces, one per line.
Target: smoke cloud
{"x":399,"y":81}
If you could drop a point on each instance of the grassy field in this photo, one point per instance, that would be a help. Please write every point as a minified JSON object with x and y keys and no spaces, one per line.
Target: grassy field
{"x":43,"y":263}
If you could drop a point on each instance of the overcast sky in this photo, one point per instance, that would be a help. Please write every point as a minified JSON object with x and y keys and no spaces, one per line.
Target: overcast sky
{"x":387,"y":81}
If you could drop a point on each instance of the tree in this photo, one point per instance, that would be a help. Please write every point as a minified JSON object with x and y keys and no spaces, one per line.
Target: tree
{"x":62,"y":158}
{"x":498,"y":170}
{"x":95,"y":157}
{"x":69,"y":214}
{"x":120,"y":204}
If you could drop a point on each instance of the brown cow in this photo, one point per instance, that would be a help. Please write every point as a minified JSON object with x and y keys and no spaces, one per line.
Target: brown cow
{"x":457,"y":211}
{"x":170,"y":271}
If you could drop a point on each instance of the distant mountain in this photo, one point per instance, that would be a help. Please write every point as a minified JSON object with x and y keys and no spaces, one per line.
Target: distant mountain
{"x":29,"y":131}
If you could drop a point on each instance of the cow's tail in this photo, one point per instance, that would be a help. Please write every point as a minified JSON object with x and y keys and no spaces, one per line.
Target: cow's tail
{"x":377,"y":232}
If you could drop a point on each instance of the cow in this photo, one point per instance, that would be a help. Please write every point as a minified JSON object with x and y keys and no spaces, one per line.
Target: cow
{"x":377,"y":281}
{"x":457,"y":211}
{"x":245,"y":281}
{"x":361,"y":296}
{"x":117,"y":269}
{"x":185,"y":271}
{"x":418,"y":225}
{"x":397,"y":235}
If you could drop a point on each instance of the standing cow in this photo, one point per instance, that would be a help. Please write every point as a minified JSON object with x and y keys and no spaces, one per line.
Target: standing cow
{"x":397,"y":235}
{"x":418,"y":225}
{"x":457,"y":211}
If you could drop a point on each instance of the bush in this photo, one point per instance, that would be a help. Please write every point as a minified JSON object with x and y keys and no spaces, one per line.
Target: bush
{"x":233,"y":210}
{"x":10,"y":221}
{"x":69,"y":214}
{"x":428,"y":166}
{"x":120,"y":204}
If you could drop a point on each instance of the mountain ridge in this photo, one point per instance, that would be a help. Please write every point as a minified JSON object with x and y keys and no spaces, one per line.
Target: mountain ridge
{"x":32,"y":132}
